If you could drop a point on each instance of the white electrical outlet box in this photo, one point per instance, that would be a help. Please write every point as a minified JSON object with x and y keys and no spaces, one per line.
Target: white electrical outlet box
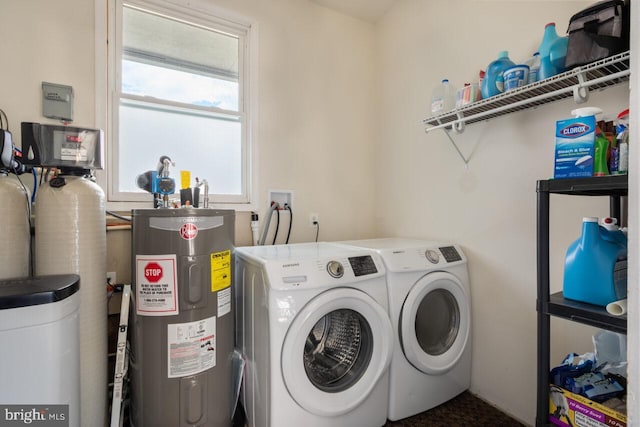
{"x":282,"y":197}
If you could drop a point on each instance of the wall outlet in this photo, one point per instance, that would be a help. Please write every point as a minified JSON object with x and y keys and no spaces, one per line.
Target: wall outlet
{"x":111,"y":277}
{"x":314,"y":219}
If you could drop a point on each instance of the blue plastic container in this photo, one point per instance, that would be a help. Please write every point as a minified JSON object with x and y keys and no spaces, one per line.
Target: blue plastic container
{"x":515,"y":77}
{"x":553,"y":50}
{"x":558,"y":54}
{"x":493,"y":83}
{"x":590,"y":265}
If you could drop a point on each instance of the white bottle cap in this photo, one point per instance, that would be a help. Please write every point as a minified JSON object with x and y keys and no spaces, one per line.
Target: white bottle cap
{"x":586,"y":111}
{"x":609,"y":223}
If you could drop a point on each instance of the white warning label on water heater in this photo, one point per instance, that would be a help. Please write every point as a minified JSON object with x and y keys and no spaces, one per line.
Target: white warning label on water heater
{"x":156,"y":285}
{"x":191,"y":347}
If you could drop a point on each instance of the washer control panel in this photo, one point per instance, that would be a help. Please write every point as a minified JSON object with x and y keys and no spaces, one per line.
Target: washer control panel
{"x":329,"y":271}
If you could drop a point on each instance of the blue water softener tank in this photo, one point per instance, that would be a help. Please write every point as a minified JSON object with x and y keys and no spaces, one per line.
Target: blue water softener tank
{"x":595,"y":265}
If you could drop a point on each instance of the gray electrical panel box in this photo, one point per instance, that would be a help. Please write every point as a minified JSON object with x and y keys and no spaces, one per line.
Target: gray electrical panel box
{"x":57,"y":101}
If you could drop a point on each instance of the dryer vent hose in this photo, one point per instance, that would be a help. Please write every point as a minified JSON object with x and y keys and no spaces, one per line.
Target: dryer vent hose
{"x":274,"y":206}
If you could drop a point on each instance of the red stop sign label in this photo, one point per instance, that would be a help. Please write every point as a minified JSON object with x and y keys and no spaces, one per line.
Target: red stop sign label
{"x":153,"y":272}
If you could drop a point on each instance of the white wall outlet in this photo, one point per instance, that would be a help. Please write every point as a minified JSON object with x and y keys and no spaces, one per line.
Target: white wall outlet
{"x":314,"y":219}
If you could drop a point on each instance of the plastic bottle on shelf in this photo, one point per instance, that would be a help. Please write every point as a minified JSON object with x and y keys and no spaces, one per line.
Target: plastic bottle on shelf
{"x":601,"y":144}
{"x":492,"y":83}
{"x":443,"y":98}
{"x":588,"y":265}
{"x":558,"y":54}
{"x":534,"y":67}
{"x":622,"y":136}
{"x":550,"y":36}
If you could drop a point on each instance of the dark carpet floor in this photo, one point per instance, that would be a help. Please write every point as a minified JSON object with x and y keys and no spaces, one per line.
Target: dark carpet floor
{"x":464,"y":410}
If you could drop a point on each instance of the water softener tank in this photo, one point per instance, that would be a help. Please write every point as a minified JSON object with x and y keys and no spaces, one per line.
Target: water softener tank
{"x":182,"y":317}
{"x":592,"y":265}
{"x":14,"y":211}
{"x":40,"y":357}
{"x":71,"y":238}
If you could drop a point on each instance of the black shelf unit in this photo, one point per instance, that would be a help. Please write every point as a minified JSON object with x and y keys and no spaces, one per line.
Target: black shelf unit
{"x":615,"y":187}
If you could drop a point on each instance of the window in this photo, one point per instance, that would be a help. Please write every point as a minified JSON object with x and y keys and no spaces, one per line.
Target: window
{"x":179,"y":89}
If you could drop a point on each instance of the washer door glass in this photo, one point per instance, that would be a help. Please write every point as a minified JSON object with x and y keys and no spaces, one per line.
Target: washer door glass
{"x":338,"y":350}
{"x":435,"y":323}
{"x":335,"y":351}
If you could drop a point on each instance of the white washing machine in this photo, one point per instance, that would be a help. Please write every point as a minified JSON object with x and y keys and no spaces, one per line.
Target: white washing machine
{"x":313,"y":326}
{"x":430,"y":309}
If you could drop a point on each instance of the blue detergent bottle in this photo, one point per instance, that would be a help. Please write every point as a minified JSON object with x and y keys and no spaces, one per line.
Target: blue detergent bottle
{"x":548,"y":39}
{"x":590,"y":265}
{"x":493,"y":83}
{"x":609,"y":230}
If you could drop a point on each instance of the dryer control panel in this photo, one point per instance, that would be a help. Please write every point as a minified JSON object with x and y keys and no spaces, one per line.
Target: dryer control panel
{"x":420,"y":258}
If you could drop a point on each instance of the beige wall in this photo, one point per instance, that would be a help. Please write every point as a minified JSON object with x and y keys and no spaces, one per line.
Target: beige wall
{"x":315,"y":99}
{"x":489,"y":205}
{"x":340,"y":106}
{"x":46,"y":41}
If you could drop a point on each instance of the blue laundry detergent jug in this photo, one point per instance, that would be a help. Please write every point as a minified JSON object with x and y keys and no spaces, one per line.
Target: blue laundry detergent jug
{"x":553,"y":51}
{"x":590,"y":267}
{"x":493,"y":83}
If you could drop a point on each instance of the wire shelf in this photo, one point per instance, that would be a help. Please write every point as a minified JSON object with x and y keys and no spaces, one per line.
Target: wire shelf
{"x":574,"y":83}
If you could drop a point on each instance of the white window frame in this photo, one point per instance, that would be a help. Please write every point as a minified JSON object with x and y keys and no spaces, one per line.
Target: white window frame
{"x":108,"y":15}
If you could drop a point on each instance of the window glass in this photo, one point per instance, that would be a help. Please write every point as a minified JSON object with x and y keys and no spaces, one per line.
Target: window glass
{"x":178,"y":86}
{"x":180,"y":90}
{"x":210,"y":147}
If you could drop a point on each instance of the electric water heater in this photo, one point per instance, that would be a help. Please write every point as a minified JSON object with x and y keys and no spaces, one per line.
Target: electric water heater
{"x":182,"y":321}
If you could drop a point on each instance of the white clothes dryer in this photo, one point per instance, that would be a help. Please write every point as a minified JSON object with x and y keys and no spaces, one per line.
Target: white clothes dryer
{"x":313,"y":326}
{"x":430,"y":309}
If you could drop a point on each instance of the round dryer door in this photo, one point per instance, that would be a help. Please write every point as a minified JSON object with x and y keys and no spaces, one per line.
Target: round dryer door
{"x":335,"y":351}
{"x":435,"y":323}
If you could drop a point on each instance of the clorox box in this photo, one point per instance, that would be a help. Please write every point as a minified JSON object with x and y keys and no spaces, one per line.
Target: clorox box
{"x":575,"y":147}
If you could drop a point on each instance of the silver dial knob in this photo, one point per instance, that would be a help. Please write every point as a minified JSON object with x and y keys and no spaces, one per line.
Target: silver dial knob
{"x":335,"y":269}
{"x":432,"y":255}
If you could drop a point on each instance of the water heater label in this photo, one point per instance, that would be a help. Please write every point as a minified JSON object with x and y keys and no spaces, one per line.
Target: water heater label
{"x":220,"y":270}
{"x":224,"y":301}
{"x":191,"y":347}
{"x":156,"y":285}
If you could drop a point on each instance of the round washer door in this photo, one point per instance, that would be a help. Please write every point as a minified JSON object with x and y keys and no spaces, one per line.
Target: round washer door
{"x":335,"y":351}
{"x":435,"y":323}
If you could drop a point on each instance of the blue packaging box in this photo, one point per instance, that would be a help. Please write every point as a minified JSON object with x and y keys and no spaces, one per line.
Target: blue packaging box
{"x":575,"y":140}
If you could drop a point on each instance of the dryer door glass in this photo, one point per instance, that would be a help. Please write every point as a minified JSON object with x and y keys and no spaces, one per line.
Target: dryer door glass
{"x":437,"y":322}
{"x":338,"y":350}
